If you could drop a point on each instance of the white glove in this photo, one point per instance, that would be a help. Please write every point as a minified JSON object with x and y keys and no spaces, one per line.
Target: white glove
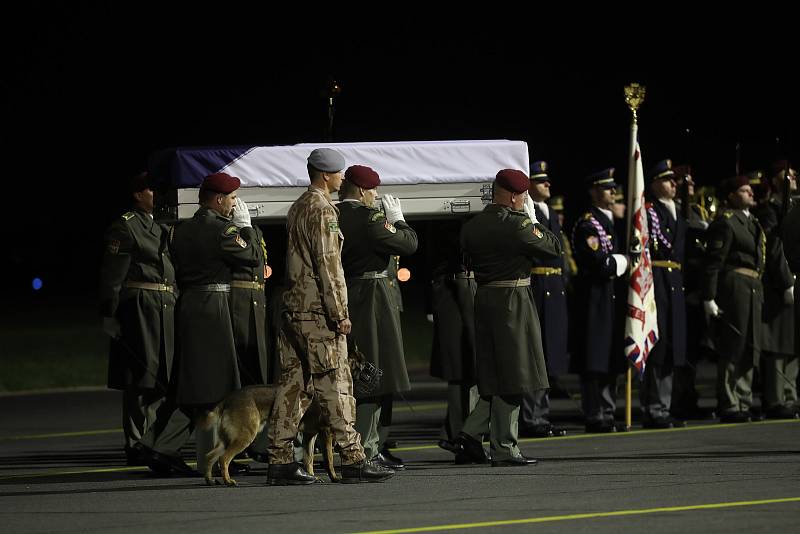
{"x":429,"y":317}
{"x":788,"y":296}
{"x":391,"y":206}
{"x":112,"y":327}
{"x":711,"y":309}
{"x":241,"y":215}
{"x":530,"y":210}
{"x":622,"y":263}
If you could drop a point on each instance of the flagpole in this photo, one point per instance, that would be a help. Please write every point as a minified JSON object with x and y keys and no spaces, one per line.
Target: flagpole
{"x":634,"y":96}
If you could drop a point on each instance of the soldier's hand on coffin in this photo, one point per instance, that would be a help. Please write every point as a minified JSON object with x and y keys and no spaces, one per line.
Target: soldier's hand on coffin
{"x":530,"y":210}
{"x":711,"y":309}
{"x":241,"y":215}
{"x":788,"y":296}
{"x":391,"y":206}
{"x":112,"y":327}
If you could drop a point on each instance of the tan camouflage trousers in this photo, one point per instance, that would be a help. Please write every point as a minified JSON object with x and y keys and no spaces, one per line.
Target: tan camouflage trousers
{"x":297,"y":388}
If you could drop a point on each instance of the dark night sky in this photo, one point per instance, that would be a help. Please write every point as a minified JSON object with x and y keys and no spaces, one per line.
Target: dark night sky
{"x":88,"y":92}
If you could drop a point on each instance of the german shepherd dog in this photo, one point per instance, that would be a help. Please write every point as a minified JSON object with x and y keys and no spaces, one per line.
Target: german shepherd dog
{"x":238,"y":418}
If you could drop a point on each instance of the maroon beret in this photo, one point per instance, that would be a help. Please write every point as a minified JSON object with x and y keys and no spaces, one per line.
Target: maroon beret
{"x":733,"y":183}
{"x":140,"y":182}
{"x":512,"y":180}
{"x":363,"y":177}
{"x":221,"y":183}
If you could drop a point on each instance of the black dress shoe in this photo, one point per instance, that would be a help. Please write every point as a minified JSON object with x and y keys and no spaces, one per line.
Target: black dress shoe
{"x":536,"y":431}
{"x":735,"y":417}
{"x":514,"y":461}
{"x":448,"y":445}
{"x":135,"y":455}
{"x":167,"y":464}
{"x":383,"y":461}
{"x":291,"y":474}
{"x":260,"y":457}
{"x":391,"y":458}
{"x":782,"y":412}
{"x":657,"y":423}
{"x":472,"y":450}
{"x":365,"y":471}
{"x":600,"y":427}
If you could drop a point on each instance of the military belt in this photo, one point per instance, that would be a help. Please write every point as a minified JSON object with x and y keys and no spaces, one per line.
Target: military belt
{"x":221,"y":288}
{"x":462,"y":275}
{"x":371,"y":275}
{"x":747,"y":272}
{"x":520,"y":282}
{"x":546,"y":271}
{"x":665,"y":264}
{"x":243,"y":284}
{"x":150,"y":286}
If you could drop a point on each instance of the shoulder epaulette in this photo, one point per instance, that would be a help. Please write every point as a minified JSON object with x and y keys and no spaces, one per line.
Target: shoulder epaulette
{"x":232,"y":229}
{"x":727,"y":214}
{"x":525,"y":222}
{"x":586,"y":216}
{"x":128,"y":215}
{"x":376,"y":215}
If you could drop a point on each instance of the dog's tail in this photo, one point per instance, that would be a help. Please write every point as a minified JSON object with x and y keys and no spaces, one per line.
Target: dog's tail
{"x":211,"y":423}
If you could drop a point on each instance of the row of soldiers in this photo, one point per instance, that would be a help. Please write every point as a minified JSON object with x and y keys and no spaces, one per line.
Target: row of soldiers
{"x":500,"y":311}
{"x":725,"y":283}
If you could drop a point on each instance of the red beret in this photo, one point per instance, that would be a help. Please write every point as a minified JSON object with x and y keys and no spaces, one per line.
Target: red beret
{"x":512,"y":180}
{"x":362,"y":176}
{"x":732,"y":184}
{"x":221,"y":183}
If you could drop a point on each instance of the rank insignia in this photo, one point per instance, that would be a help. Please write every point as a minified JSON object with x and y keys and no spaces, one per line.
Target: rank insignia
{"x":231,"y":230}
{"x":593,"y":242}
{"x":525,"y":222}
{"x":241,"y":242}
{"x":377,"y":216}
{"x":389,"y":226}
{"x":128,"y":216}
{"x":113,"y":246}
{"x":333,"y":226}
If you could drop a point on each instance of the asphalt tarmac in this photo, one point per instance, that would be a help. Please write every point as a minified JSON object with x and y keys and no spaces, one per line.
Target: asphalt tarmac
{"x":62,"y":470}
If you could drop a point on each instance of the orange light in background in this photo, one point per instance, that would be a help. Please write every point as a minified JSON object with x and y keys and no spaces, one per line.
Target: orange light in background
{"x":267,"y":271}
{"x":403,"y":274}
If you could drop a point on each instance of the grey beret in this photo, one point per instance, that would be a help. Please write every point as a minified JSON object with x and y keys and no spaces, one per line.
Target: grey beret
{"x":326,"y":160}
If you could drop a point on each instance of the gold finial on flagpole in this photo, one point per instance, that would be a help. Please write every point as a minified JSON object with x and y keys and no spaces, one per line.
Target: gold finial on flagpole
{"x":634,"y":96}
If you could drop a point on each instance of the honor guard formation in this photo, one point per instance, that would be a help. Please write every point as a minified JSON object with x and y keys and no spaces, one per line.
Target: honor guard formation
{"x":519,"y":297}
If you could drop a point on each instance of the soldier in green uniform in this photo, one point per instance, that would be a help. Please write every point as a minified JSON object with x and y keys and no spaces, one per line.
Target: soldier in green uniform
{"x":249,"y":319}
{"x":502,"y":242}
{"x":779,"y":369}
{"x":312,"y":340}
{"x":206,"y":248}
{"x":372,"y":239}
{"x":137,"y":302}
{"x":733,"y":294}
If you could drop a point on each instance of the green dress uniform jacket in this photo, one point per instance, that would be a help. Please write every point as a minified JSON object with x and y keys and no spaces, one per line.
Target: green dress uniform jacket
{"x":778,"y":318}
{"x":735,"y":241}
{"x":249,"y":312}
{"x":136,"y":251}
{"x":206,"y":248}
{"x":501,"y":244}
{"x":370,"y":244}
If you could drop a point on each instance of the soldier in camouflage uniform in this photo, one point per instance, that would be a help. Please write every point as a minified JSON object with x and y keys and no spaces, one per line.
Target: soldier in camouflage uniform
{"x":502,"y":242}
{"x":312,"y":338}
{"x":372,"y":240}
{"x":206,"y":248}
{"x":137,"y":297}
